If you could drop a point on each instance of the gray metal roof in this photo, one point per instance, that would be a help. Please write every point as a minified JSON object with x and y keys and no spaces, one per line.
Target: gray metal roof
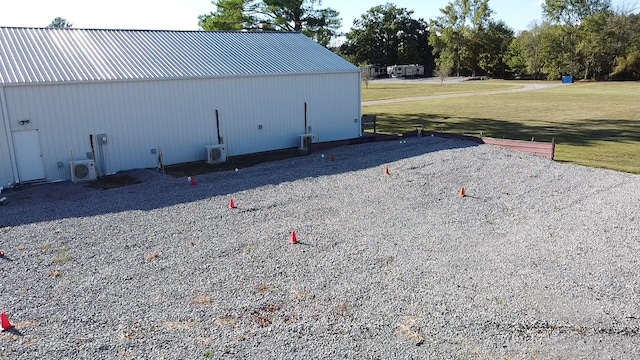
{"x":43,"y":55}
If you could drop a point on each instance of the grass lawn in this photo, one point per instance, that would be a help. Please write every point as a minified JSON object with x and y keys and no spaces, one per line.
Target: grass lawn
{"x":593,"y":124}
{"x":389,"y":90}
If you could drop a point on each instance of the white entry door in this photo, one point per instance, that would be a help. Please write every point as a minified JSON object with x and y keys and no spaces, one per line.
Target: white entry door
{"x":28,"y":155}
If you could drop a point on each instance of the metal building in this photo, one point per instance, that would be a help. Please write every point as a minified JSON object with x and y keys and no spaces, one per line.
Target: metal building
{"x":119,"y":97}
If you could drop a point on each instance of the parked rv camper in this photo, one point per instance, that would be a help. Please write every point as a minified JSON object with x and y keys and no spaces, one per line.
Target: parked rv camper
{"x":411,"y":70}
{"x":376,"y":72}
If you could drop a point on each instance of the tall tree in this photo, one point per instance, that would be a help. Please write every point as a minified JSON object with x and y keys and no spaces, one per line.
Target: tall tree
{"x":516,"y":58}
{"x":495,"y":40}
{"x":525,"y":53}
{"x":625,"y":28}
{"x":60,"y":23}
{"x":321,"y":24}
{"x":585,"y":38}
{"x":572,"y":12}
{"x":595,"y":45}
{"x":626,"y":45}
{"x":628,"y":67}
{"x":564,"y":53}
{"x":558,"y":51}
{"x":229,"y":15}
{"x":388,"y":35}
{"x":457,"y":34}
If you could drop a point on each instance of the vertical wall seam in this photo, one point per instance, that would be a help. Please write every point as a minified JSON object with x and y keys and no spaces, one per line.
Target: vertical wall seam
{"x":9,"y":134}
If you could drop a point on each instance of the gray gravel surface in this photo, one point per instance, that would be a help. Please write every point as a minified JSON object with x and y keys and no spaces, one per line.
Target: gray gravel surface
{"x":540,"y":260}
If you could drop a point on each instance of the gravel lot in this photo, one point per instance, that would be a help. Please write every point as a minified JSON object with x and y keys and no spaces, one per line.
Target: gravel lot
{"x":539,"y":261}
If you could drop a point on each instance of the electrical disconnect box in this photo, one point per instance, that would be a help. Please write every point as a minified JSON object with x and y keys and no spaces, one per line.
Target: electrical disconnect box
{"x":102,"y":139}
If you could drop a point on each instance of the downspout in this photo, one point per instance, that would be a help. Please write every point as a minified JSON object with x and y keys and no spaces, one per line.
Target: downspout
{"x":305,"y":119}
{"x":7,"y":128}
{"x":218,"y":127}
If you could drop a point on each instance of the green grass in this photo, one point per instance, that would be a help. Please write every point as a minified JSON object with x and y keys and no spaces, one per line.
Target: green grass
{"x":390,"y":90}
{"x":593,"y":124}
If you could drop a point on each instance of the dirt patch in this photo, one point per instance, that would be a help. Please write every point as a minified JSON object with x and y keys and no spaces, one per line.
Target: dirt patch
{"x":114,"y":181}
{"x":235,"y":162}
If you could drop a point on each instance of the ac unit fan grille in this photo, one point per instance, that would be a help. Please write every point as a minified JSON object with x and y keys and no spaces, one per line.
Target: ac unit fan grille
{"x":81,"y":171}
{"x":216,"y":154}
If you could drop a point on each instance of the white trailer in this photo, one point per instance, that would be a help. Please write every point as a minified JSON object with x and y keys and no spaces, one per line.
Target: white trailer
{"x":375,"y":72}
{"x":411,"y":70}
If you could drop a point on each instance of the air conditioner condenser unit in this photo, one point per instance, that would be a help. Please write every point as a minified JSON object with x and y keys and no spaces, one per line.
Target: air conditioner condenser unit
{"x":216,"y":154}
{"x":84,"y":170}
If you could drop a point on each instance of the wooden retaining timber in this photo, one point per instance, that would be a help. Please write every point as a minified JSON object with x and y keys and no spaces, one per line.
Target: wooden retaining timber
{"x":534,"y":147}
{"x":474,"y":139}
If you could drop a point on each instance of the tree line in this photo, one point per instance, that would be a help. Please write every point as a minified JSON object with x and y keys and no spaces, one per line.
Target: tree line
{"x":585,"y":38}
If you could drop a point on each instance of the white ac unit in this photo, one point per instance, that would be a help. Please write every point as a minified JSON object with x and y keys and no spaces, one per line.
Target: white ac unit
{"x":216,"y":154}
{"x":83,"y":170}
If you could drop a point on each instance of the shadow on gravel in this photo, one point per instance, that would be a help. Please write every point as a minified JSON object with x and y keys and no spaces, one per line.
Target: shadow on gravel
{"x":46,"y":202}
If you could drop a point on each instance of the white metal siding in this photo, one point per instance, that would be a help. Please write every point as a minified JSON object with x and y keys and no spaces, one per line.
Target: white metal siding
{"x":179,"y":116}
{"x":6,"y":171}
{"x":7,"y":165}
{"x":277,"y":104}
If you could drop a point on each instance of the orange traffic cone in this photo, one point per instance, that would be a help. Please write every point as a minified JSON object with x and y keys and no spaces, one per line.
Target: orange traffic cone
{"x":462,"y":193}
{"x":6,"y":324}
{"x":192,"y":180}
{"x":232,"y":204}
{"x":294,"y":238}
{"x":333,"y":157}
{"x":386,"y":170}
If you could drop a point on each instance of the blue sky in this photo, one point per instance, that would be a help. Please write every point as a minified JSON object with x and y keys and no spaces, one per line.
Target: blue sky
{"x":183,"y":14}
